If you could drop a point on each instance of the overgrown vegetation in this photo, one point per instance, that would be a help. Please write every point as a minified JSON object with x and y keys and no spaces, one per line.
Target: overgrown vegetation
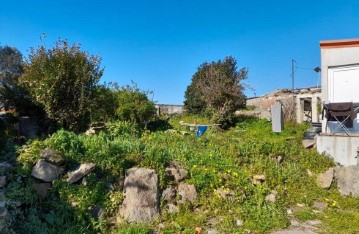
{"x":220,"y":159}
{"x":61,"y":84}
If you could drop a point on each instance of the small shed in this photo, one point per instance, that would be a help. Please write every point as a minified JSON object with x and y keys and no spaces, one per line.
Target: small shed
{"x":340,"y":84}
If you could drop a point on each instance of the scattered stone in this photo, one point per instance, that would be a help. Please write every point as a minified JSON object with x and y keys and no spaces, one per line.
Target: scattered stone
{"x":3,"y":212}
{"x":258,"y":179}
{"x":294,"y":222}
{"x":90,"y":132}
{"x":169,"y":194}
{"x":5,"y":165}
{"x":74,"y":204}
{"x":300,"y":205}
{"x":319,"y":205}
{"x":280,"y":159}
{"x":212,"y":222}
{"x":348,"y":180}
{"x":187,"y":192}
{"x":308,"y":143}
{"x":271,"y":197}
{"x":171,"y":131}
{"x":41,"y":189}
{"x":310,"y":174}
{"x":176,"y":173}
{"x":85,"y":182}
{"x":225,"y":193}
{"x":324,"y":180}
{"x":289,"y":211}
{"x":95,"y":128}
{"x":46,"y":171}
{"x":184,"y":133}
{"x":82,"y":171}
{"x":2,"y":181}
{"x":98,"y":212}
{"x":239,"y":222}
{"x":52,"y":156}
{"x":171,"y":208}
{"x":308,"y":227}
{"x":141,"y":203}
{"x":212,"y":231}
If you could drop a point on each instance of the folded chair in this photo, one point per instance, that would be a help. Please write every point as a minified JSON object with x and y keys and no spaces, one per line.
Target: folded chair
{"x":343,"y":113}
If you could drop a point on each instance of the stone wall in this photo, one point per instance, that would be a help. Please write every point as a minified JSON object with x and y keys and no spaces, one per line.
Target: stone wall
{"x":163,"y":109}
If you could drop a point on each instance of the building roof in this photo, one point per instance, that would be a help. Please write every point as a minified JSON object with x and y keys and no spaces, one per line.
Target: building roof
{"x":339,"y":43}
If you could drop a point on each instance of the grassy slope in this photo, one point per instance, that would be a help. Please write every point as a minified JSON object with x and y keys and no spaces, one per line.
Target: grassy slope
{"x":218,"y":160}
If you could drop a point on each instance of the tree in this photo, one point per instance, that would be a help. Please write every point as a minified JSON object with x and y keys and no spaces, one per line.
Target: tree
{"x":105,"y":106}
{"x":63,"y":80}
{"x":11,"y":65}
{"x":217,"y":88}
{"x":134,"y":105}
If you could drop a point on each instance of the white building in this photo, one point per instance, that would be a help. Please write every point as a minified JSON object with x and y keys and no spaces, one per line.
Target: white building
{"x":340,"y":83}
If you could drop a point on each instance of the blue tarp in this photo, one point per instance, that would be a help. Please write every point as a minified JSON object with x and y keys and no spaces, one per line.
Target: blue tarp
{"x":201,"y":130}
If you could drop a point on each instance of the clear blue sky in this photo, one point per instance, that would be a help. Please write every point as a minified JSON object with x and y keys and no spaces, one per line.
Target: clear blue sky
{"x":159,"y":44}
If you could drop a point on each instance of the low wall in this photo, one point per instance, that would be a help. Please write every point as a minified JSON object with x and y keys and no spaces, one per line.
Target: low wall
{"x":169,"y":109}
{"x":343,"y":149}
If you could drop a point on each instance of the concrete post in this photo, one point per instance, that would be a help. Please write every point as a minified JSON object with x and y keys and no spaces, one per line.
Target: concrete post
{"x":315,"y":114}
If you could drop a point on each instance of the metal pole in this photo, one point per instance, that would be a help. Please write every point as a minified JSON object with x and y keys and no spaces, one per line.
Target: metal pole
{"x":293,"y":75}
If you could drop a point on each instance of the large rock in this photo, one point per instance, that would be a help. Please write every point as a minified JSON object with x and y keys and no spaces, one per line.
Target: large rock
{"x":324,"y":180}
{"x":187,"y":192}
{"x":52,"y":156}
{"x":141,"y":203}
{"x":348,"y":180}
{"x":82,"y":171}
{"x":169,"y":194}
{"x":41,"y":189}
{"x":46,"y":171}
{"x":176,"y":173}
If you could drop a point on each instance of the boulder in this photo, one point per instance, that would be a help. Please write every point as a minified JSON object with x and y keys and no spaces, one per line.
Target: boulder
{"x":171,"y":208}
{"x":46,"y":171}
{"x":325,"y":179}
{"x":348,"y":180}
{"x":82,"y":171}
{"x":52,"y":156}
{"x":178,"y":174}
{"x":187,"y":192}
{"x":2,"y":181}
{"x":169,"y":194}
{"x":141,"y":203}
{"x":41,"y":189}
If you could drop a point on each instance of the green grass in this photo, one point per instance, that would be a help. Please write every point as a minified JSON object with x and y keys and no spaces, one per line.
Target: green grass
{"x":219,"y":159}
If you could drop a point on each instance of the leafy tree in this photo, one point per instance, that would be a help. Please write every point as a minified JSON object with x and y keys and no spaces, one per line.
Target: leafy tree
{"x":11,"y":65}
{"x":63,"y":80}
{"x":134,"y":105}
{"x":216,"y":88}
{"x":104,"y":108}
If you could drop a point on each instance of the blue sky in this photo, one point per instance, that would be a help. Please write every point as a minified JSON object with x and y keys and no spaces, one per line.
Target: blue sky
{"x":159,"y":44}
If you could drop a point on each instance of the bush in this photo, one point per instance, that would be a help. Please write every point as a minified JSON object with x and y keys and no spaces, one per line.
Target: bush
{"x":134,"y":105}
{"x":63,"y":80}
